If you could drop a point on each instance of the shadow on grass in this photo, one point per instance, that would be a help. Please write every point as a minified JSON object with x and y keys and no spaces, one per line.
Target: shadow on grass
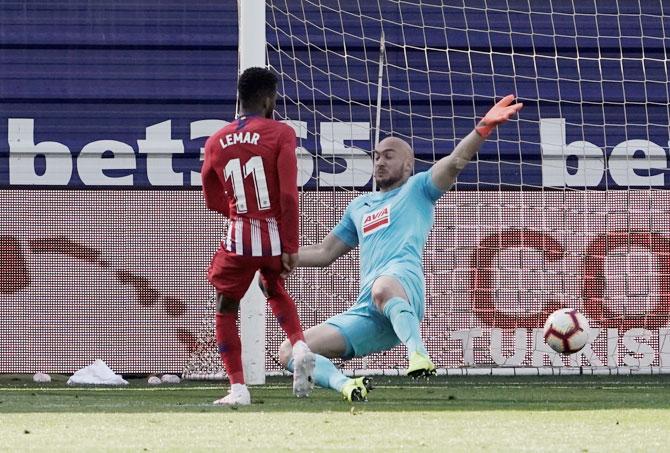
{"x":18,"y":394}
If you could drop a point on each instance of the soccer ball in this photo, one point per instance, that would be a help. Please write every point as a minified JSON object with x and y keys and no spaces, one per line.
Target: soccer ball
{"x":566,"y":331}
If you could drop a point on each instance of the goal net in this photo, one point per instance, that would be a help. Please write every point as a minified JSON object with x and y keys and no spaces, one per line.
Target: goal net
{"x":567,"y":206}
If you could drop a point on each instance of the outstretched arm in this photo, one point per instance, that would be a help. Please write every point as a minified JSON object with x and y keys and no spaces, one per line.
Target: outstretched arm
{"x":446,"y":170}
{"x":321,"y":255}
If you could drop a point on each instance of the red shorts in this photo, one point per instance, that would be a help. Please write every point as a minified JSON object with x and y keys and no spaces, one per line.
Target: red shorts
{"x":232,"y":274}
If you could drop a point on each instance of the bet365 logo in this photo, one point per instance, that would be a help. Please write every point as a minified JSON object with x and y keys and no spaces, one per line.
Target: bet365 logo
{"x":631,"y":163}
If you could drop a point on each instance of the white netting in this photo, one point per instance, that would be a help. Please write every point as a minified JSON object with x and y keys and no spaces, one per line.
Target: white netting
{"x":565,"y":207}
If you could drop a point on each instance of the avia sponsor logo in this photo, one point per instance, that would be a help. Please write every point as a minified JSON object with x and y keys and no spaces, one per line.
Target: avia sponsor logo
{"x":377,"y":220}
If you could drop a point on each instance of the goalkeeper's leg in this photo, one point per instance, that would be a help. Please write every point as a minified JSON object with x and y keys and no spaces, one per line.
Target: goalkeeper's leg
{"x":327,"y":341}
{"x":391,"y":298}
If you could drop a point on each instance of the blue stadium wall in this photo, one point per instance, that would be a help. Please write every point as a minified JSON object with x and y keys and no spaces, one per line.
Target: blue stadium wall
{"x":88,"y":71}
{"x":92,"y":71}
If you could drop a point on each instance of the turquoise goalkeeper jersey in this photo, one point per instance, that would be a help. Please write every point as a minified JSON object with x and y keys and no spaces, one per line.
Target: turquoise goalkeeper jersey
{"x":391,"y":229}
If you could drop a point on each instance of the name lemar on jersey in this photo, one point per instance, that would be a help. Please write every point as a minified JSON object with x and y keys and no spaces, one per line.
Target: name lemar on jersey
{"x":377,"y":220}
{"x":239,"y":137}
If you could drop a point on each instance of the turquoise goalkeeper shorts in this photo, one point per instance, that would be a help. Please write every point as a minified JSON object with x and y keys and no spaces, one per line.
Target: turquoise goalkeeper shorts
{"x":365,"y":328}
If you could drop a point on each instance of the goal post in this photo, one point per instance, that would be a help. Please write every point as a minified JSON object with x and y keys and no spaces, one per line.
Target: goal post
{"x":252,"y":306}
{"x":565,"y":206}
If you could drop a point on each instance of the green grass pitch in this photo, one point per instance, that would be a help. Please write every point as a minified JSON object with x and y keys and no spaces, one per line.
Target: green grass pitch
{"x":566,"y":414}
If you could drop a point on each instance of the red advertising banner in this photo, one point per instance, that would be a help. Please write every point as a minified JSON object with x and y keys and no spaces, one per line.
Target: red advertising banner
{"x":115,"y":275}
{"x":120,"y":276}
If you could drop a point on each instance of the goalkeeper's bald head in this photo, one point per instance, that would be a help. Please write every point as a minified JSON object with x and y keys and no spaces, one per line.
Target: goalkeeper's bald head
{"x":394,"y":163}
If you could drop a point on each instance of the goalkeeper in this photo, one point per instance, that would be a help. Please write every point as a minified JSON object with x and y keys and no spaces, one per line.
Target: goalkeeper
{"x":391,"y":227}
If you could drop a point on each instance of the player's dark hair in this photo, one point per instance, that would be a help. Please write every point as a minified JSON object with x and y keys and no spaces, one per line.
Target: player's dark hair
{"x":255,"y":85}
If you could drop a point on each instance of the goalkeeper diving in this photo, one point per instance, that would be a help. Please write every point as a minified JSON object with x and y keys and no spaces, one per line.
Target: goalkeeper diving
{"x":391,"y":228}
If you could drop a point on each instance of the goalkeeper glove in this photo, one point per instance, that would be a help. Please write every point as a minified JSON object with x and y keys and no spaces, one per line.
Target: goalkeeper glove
{"x":498,"y":114}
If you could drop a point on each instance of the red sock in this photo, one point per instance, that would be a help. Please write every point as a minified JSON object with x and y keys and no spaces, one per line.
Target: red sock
{"x":230,"y":347}
{"x":286,"y":313}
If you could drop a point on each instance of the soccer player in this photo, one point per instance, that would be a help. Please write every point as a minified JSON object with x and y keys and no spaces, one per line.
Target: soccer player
{"x":391,"y":227}
{"x":249,"y":175}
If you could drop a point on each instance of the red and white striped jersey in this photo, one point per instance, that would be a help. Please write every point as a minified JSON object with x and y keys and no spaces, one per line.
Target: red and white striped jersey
{"x":250,"y":175}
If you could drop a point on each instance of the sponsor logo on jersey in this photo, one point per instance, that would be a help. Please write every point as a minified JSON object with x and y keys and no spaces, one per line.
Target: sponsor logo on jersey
{"x":377,"y":220}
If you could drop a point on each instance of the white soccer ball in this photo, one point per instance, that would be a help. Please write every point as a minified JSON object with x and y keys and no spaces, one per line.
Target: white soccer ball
{"x":566,"y":331}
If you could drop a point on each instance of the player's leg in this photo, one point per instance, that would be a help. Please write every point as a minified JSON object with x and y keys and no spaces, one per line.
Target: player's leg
{"x":356,"y":332}
{"x":323,"y":340}
{"x":281,"y":303}
{"x":326,"y":341}
{"x":230,"y":350}
{"x":390,"y":297}
{"x":285,"y":311}
{"x":231,"y":276}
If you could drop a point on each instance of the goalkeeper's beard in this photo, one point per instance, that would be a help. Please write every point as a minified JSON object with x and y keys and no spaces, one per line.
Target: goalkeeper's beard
{"x":387,"y":181}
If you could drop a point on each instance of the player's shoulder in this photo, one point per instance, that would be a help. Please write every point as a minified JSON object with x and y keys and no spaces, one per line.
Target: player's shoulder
{"x":227,"y":129}
{"x":274,"y":125}
{"x":421,"y":184}
{"x":215,"y":137}
{"x":420,"y":176}
{"x":418,"y":180}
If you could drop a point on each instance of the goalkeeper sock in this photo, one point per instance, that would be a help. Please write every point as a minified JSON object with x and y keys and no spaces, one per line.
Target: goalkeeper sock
{"x":229,"y":345}
{"x":325,"y":374}
{"x":405,"y":324}
{"x":286,"y":313}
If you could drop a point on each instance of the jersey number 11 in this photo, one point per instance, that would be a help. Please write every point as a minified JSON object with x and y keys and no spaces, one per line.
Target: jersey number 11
{"x":254,"y":166}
